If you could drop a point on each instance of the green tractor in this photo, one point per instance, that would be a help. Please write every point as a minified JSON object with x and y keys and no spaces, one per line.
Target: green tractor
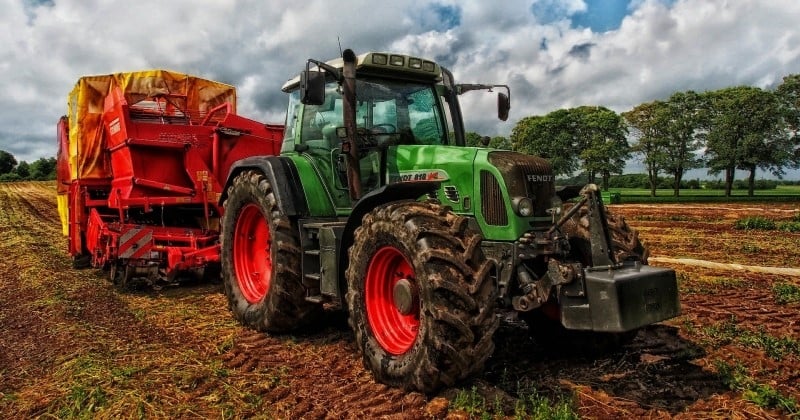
{"x":376,"y":206}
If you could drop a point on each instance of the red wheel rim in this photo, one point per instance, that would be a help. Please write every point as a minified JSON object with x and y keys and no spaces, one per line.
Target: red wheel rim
{"x":251,"y":253}
{"x":394,"y":331}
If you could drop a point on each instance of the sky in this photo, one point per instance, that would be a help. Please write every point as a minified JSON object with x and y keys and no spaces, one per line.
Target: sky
{"x":553,"y":54}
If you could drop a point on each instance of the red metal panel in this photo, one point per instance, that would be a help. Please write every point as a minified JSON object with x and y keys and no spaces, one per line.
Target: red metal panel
{"x":163,"y":159}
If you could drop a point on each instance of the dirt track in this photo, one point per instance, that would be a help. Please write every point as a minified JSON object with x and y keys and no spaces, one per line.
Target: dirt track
{"x":72,"y":346}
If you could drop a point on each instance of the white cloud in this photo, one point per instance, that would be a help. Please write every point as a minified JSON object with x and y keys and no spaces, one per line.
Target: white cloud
{"x":661,"y":47}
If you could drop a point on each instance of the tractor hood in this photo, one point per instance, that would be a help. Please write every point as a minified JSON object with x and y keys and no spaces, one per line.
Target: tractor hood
{"x":486,"y":184}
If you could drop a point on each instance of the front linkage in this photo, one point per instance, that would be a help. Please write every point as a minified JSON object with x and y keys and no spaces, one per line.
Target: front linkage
{"x":591,"y":266}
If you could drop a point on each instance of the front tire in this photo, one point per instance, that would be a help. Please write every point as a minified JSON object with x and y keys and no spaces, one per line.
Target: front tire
{"x":261,"y":259}
{"x":421,"y":296}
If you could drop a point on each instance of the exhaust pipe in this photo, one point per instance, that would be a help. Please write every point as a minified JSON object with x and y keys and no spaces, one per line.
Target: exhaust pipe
{"x":350,"y":147}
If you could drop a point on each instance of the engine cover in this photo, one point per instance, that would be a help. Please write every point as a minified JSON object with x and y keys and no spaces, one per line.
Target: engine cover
{"x":526,"y":176}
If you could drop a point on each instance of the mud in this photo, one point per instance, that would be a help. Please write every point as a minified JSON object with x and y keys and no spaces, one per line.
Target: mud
{"x":72,"y":346}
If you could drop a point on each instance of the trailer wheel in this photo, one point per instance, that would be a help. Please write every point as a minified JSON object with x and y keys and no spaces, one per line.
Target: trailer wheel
{"x":261,"y":259}
{"x":421,"y":296}
{"x":120,"y":275}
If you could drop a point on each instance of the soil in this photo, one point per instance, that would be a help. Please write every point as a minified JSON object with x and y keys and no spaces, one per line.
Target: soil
{"x":73,"y":346}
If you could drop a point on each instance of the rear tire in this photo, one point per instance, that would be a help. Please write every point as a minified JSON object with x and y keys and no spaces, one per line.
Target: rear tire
{"x":260,"y":256}
{"x":439,"y":330}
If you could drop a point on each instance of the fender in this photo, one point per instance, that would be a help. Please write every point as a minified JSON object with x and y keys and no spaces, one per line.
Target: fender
{"x":385,"y":194}
{"x":282,"y":175}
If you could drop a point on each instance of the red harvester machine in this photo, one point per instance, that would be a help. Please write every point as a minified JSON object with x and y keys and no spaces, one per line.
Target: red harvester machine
{"x":142,"y":161}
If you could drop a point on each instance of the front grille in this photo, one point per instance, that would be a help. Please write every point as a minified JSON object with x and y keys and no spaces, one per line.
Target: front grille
{"x":526,"y":176}
{"x":493,"y":206}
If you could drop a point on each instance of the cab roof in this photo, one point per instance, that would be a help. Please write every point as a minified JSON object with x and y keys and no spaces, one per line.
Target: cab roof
{"x":392,"y":64}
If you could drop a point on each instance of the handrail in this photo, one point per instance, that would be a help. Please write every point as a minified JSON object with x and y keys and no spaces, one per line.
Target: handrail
{"x":226,"y":106}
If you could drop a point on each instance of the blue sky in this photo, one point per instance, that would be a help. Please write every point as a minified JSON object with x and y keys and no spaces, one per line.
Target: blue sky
{"x":601,"y":16}
{"x":553,"y":54}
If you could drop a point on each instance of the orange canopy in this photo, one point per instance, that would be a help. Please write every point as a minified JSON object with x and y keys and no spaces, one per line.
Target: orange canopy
{"x":87,"y":157}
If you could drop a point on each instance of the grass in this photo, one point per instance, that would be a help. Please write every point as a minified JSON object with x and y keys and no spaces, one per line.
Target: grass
{"x":786,"y":293}
{"x":763,"y":223}
{"x":530,"y":405}
{"x":755,"y":223}
{"x":784,"y":193}
{"x":708,"y":286}
{"x":776,"y":348}
{"x":736,"y":378}
{"x":85,"y":376}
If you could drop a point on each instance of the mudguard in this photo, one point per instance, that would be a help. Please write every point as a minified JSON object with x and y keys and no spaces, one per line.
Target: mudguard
{"x":385,"y":194}
{"x":282,"y":175}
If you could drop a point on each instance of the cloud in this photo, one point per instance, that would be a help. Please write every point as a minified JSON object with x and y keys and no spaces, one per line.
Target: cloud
{"x":540,"y":48}
{"x":439,"y":17}
{"x":581,"y":51}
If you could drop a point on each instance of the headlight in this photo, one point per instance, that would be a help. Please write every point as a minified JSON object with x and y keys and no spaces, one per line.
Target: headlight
{"x":523,"y":206}
{"x":556,"y":205}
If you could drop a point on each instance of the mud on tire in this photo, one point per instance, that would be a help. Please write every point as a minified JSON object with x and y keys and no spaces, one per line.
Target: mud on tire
{"x":260,"y":257}
{"x":444,"y":333}
{"x":624,"y":238}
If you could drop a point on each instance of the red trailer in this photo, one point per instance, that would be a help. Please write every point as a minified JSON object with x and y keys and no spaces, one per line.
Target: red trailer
{"x":142,"y":161}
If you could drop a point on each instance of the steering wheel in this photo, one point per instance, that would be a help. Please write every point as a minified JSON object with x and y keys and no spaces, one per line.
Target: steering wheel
{"x":383,"y":129}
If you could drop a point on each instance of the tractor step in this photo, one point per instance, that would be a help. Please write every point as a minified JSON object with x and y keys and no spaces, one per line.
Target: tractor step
{"x":315,"y":299}
{"x":320,"y":241}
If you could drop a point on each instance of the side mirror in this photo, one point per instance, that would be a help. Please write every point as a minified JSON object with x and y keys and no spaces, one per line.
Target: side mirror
{"x":503,"y":105}
{"x":485,"y":140}
{"x":312,"y":87}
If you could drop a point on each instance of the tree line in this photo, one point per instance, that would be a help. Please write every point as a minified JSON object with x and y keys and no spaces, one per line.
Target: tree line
{"x":42,"y":169}
{"x":744,"y":127}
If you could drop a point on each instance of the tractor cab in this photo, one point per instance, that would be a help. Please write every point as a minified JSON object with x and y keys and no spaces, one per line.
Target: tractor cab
{"x":395,"y":100}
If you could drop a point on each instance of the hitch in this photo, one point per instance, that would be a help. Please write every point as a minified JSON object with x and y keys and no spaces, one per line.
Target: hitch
{"x":599,"y":238}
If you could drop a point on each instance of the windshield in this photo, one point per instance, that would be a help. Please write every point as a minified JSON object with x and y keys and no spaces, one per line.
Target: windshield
{"x":386,"y":112}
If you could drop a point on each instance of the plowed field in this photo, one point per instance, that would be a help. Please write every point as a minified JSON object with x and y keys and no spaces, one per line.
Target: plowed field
{"x":72,"y":346}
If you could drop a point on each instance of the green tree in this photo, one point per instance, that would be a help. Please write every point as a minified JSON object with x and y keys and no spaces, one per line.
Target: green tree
{"x":7,"y":162}
{"x":552,"y":137}
{"x":590,"y":138}
{"x":500,"y":142}
{"x":789,"y":95}
{"x":476,"y":140}
{"x":682,"y":125}
{"x":647,"y":124}
{"x":746,"y":131}
{"x":23,"y":170}
{"x":602,"y":142}
{"x":473,"y":139}
{"x":43,"y":169}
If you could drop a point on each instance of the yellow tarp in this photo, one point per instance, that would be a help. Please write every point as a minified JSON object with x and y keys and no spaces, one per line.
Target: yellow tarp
{"x":63,"y":212}
{"x":87,"y":157}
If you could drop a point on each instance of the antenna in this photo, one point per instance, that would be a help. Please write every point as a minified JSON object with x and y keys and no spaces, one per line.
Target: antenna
{"x":340,"y":45}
